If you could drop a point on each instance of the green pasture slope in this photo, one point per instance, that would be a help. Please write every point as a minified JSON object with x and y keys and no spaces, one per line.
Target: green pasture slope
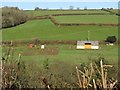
{"x":46,"y":30}
{"x":67,"y":54}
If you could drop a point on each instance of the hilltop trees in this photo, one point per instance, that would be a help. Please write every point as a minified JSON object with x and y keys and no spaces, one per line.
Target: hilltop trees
{"x":12,"y":16}
{"x":78,"y":8}
{"x":37,"y":8}
{"x":85,"y":8}
{"x":71,"y":7}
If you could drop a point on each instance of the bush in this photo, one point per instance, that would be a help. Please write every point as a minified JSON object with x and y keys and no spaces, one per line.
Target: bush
{"x":111,"y":39}
{"x":46,"y":64}
{"x":12,"y":16}
{"x":37,"y":8}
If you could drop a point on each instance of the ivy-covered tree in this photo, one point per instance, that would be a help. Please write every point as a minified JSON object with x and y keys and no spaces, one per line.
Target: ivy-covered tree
{"x":12,"y":16}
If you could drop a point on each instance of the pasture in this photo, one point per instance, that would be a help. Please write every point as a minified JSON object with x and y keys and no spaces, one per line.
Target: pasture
{"x":115,"y":11}
{"x":60,"y":67}
{"x":60,"y":58}
{"x":108,"y":19}
{"x":50,"y":12}
{"x":46,"y":30}
{"x":64,"y":53}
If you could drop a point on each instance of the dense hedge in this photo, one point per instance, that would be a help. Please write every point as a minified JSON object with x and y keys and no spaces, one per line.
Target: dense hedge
{"x":88,"y":24}
{"x":50,"y":42}
{"x":109,"y":10}
{"x":82,"y":14}
{"x":71,"y":24}
{"x":12,"y":16}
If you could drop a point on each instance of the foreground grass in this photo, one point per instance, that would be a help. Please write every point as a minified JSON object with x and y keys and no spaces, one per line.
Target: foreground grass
{"x":61,"y":67}
{"x":68,"y":54}
{"x":46,"y":30}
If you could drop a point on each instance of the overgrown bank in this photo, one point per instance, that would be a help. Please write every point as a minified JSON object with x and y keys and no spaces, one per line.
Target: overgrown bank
{"x":20,"y":74}
{"x":12,"y":16}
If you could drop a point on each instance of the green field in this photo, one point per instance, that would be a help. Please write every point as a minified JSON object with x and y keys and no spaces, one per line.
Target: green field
{"x":46,"y":30}
{"x":67,"y":53}
{"x":50,"y":12}
{"x":27,"y":65}
{"x":88,"y":19}
{"x":115,"y":10}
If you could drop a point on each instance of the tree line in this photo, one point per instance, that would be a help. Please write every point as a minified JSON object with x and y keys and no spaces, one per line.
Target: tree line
{"x":12,"y":16}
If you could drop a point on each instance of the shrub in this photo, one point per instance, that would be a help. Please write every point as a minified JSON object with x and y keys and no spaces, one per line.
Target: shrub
{"x":12,"y":16}
{"x":37,"y":8}
{"x":111,"y":39}
{"x":46,"y":64}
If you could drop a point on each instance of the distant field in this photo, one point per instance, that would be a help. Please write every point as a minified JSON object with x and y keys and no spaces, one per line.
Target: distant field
{"x":49,"y":12}
{"x":87,"y":19}
{"x":46,"y":30}
{"x":61,"y":55}
{"x":116,"y":11}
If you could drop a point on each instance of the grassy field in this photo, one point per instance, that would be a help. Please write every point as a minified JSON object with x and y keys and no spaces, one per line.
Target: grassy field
{"x":46,"y":30}
{"x":56,"y":63}
{"x":49,"y":12}
{"x":115,"y":10}
{"x":61,"y":65}
{"x":88,"y":19}
{"x":66,"y":53}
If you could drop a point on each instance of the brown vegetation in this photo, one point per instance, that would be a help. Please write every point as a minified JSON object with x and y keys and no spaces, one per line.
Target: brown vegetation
{"x":39,"y":51}
{"x":94,"y":77}
{"x":47,"y":42}
{"x":18,"y":74}
{"x":12,"y":16}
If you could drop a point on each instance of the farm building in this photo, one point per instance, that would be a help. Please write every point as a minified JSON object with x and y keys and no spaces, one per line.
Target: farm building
{"x":87,"y":45}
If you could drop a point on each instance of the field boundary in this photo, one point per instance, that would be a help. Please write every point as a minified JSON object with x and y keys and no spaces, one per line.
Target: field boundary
{"x":53,"y":20}
{"x":111,"y":12}
{"x":80,"y":24}
{"x":64,"y":14}
{"x":88,"y":24}
{"x":83,"y":14}
{"x":51,"y":42}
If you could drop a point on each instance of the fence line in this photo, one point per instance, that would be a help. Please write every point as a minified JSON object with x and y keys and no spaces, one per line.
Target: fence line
{"x":72,"y":24}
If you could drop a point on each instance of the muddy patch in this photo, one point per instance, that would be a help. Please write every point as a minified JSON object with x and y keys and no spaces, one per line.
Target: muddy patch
{"x":46,"y":51}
